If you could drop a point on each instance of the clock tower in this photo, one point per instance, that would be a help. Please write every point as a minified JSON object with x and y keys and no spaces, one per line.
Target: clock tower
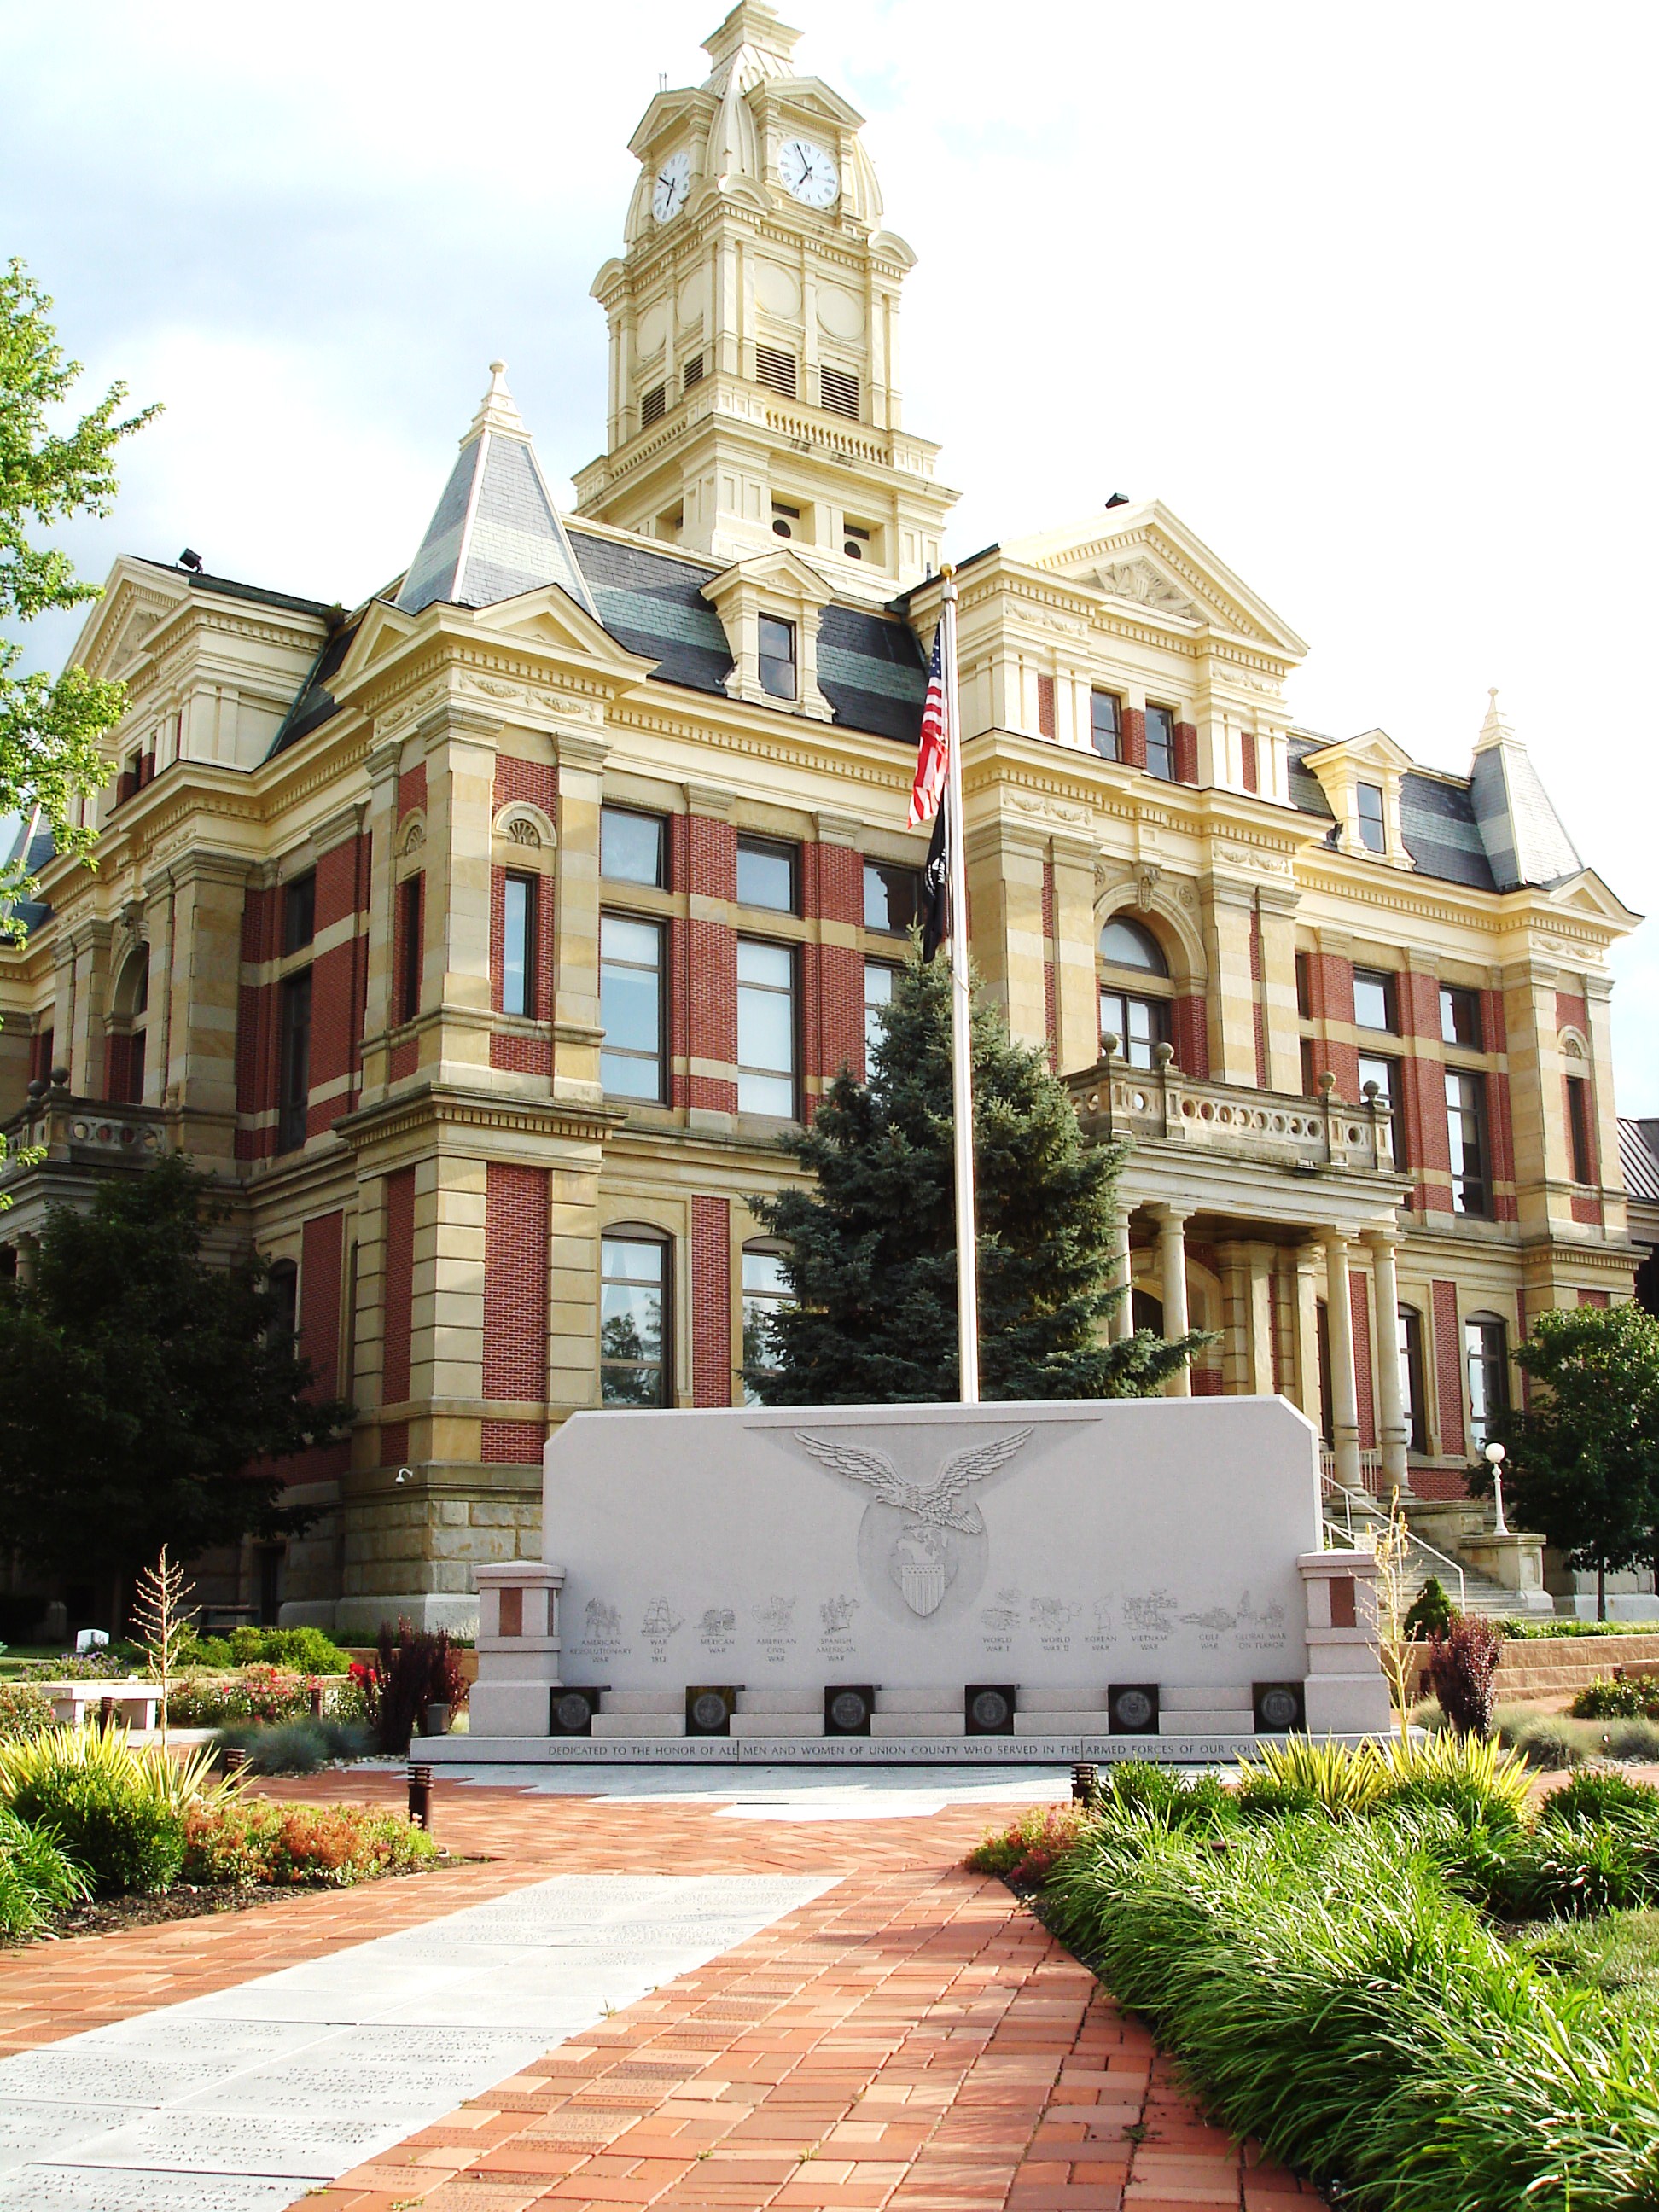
{"x":754,"y":317}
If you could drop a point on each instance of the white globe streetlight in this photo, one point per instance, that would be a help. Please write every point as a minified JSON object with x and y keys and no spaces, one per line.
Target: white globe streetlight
{"x":1495,"y":1461}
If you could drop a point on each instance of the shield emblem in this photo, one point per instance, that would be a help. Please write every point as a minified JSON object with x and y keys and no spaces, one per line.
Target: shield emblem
{"x":921,"y":1588}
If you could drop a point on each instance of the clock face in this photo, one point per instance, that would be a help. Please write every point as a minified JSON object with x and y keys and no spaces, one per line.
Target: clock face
{"x":809,"y":171}
{"x":672,"y":183}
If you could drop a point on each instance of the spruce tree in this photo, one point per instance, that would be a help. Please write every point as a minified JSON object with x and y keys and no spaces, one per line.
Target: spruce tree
{"x":871,"y":1245}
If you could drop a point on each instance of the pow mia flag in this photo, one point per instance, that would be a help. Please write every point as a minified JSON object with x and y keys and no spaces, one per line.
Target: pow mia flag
{"x":935,"y":902}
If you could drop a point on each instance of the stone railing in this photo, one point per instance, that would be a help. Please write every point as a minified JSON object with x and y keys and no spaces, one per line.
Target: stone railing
{"x":64,"y":1127}
{"x":1271,"y":1127}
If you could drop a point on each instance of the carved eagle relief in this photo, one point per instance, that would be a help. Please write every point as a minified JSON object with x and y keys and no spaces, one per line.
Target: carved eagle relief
{"x":941,"y":1504}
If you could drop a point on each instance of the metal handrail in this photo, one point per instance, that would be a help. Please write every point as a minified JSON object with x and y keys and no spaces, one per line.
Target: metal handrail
{"x":1352,"y":1498}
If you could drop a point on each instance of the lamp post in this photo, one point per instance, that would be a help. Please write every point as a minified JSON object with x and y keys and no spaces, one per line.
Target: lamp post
{"x":1494,"y":1456}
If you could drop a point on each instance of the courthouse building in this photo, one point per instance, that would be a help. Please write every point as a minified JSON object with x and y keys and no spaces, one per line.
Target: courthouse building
{"x":483,"y":938}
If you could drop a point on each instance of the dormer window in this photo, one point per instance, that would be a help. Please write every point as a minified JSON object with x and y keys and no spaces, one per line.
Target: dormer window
{"x":778,"y":670}
{"x":1368,"y":806}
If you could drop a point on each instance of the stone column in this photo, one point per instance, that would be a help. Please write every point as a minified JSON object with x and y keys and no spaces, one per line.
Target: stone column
{"x":1390,"y":1401}
{"x":577,"y":1033}
{"x":1261,"y":1259}
{"x":1076,"y":993}
{"x":1344,"y":1396}
{"x":1172,"y":1260}
{"x":1121,"y":1323}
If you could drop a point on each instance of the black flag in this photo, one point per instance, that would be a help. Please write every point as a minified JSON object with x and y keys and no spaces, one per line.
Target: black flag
{"x":935,"y":891}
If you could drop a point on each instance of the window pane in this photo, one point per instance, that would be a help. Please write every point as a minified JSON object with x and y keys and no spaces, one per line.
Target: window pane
{"x":300,"y":912}
{"x":766,"y":874}
{"x":892,"y":894}
{"x":633,"y":1279}
{"x":777,"y":657}
{"x":766,"y":1029}
{"x":1369,"y":797}
{"x":1373,"y":1000}
{"x":877,"y":993}
{"x":1304,"y":985}
{"x":1160,"y":742}
{"x":630,"y":1006}
{"x":518,"y":899}
{"x":295,"y":1061}
{"x":1125,"y":944}
{"x":1139,"y":1024}
{"x":1578,"y":1129}
{"x":631,"y":846}
{"x":1106,"y":724}
{"x":1459,"y":1017}
{"x":1411,"y":1379}
{"x":1487,"y":1352}
{"x":1466,"y":1129}
{"x":765,"y":1293}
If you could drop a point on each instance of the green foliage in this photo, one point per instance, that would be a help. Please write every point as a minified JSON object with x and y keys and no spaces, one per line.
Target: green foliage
{"x":24,"y":1711}
{"x":415,"y":1668}
{"x":1583,"y":1456}
{"x":49,"y":730}
{"x":1602,"y":1794}
{"x":1340,"y":1779}
{"x":1617,"y":1955}
{"x":252,"y":1839}
{"x":1536,"y":1628}
{"x":1432,"y":1613}
{"x":1162,"y":1794}
{"x":37,"y":1878}
{"x":143,"y":1393}
{"x":872,"y":1244}
{"x":1024,"y":1853}
{"x":263,"y":1696}
{"x":306,"y":1648}
{"x":1604,"y":1699}
{"x":1326,"y":1994}
{"x":125,"y":1837}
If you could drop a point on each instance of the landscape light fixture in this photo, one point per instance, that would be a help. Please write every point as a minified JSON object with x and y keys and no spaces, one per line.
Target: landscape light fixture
{"x":1495,"y":1461}
{"x":190,"y":558}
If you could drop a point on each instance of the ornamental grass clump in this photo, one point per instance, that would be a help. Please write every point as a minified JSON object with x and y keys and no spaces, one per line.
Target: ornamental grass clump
{"x":37,"y":1876}
{"x":1328,"y":1994}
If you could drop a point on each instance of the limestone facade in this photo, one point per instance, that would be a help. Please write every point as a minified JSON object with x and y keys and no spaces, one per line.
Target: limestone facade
{"x":482,"y":938}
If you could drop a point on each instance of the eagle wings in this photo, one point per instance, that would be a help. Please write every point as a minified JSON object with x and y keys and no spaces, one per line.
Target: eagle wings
{"x":941,"y":1504}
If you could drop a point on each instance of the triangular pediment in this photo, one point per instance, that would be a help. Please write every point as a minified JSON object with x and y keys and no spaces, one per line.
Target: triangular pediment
{"x":137,"y":598}
{"x":548,"y":618}
{"x":784,"y":572}
{"x":546,"y":624}
{"x":1145,"y":558}
{"x":1587,"y":894}
{"x":811,"y":96}
{"x":1371,"y":749}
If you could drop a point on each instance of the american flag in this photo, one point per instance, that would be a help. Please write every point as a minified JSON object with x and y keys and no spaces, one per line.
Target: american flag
{"x":933,"y":754}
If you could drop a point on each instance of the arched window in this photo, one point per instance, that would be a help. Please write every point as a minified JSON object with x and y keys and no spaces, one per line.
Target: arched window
{"x":635,"y":1367}
{"x":1134,"y":990}
{"x":1485,"y":1352}
{"x":765,"y":1293}
{"x":124,"y":1060}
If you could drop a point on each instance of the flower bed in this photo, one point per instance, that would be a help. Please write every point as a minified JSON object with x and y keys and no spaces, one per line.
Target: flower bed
{"x":254,"y":1840}
{"x":1346,"y":1954}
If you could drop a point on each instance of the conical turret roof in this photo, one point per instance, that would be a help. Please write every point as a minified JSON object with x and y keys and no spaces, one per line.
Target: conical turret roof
{"x":497,"y":532}
{"x":1523,"y":835}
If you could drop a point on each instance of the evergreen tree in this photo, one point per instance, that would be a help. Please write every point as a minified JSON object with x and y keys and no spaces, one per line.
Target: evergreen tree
{"x":143,"y":1391}
{"x":870,"y":1246}
{"x":1583,"y":1456}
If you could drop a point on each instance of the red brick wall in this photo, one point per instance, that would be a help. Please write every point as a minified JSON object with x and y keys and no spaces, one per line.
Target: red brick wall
{"x":411,"y":790}
{"x":1424,"y":1144}
{"x":1189,"y":1034}
{"x":1186,"y":753}
{"x":1331,"y":979}
{"x":535,"y":782}
{"x":42,"y":1048}
{"x":514,"y":1304}
{"x":1571,"y":1012}
{"x":841,"y":998}
{"x":1046,"y":705}
{"x":1595,"y":1298}
{"x":833,"y":882}
{"x":322,"y":1241}
{"x":116,"y":1053}
{"x":1251,"y":763}
{"x":256,"y":1021}
{"x":1500,"y":1135}
{"x":711,"y":1302}
{"x":1364,"y":1394}
{"x":704,"y":978}
{"x":1447,"y":1366}
{"x":398,"y":1298}
{"x":1134,"y":737}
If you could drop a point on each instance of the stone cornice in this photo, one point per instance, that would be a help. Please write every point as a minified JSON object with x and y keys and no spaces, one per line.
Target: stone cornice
{"x":390,"y":1119}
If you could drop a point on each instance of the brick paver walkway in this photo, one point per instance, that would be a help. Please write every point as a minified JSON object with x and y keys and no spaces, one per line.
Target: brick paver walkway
{"x":913,"y":2040}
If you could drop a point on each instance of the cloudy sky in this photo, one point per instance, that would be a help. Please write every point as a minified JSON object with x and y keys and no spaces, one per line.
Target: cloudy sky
{"x":1365,"y":294}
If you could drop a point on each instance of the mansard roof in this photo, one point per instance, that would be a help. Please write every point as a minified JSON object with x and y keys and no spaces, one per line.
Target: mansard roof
{"x":1638,"y":1157}
{"x":496,"y":531}
{"x":1523,"y":834}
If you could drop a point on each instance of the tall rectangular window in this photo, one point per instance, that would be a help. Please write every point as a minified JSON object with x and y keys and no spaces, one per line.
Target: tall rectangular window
{"x":1466,"y":1125}
{"x":1414,"y":1396}
{"x":765,"y":1294}
{"x":300,"y":911}
{"x":1304,"y":985}
{"x":1459,"y":1017}
{"x":1160,"y":742}
{"x":519,"y":901}
{"x":1375,"y":1004}
{"x":1579,"y":1129}
{"x":1139,"y":1025}
{"x":1368,"y":802}
{"x":632,"y":847}
{"x":630,"y":1007}
{"x":878,"y":996}
{"x":768,"y":874}
{"x":892,"y":897}
{"x":1385,"y":1074}
{"x":294,"y":1061}
{"x":766,"y":1029}
{"x":1485,"y":1352}
{"x":634,"y":1332}
{"x":1309,"y":1073}
{"x":1106,"y":724}
{"x":777,"y":657}
{"x":411,"y":950}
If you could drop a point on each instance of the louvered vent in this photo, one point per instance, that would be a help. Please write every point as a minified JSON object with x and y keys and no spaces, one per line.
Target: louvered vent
{"x":653,"y":406}
{"x":694,"y":371}
{"x":839,"y":392}
{"x":775,"y":369}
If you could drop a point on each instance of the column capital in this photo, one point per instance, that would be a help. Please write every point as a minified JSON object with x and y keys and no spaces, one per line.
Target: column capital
{"x":1169,"y":1215}
{"x":1380,"y":1240}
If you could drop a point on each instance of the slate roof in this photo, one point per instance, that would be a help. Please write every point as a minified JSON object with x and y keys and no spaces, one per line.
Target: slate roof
{"x":1638,"y":1157}
{"x":1436,"y":817}
{"x":314,"y":702}
{"x":495,"y":532}
{"x":228,"y":588}
{"x":870,"y":667}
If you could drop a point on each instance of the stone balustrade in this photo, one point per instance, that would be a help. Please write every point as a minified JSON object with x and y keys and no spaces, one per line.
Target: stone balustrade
{"x":1270,"y":1126}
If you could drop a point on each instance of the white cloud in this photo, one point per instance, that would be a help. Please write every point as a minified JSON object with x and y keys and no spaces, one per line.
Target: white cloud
{"x":1364,"y":295}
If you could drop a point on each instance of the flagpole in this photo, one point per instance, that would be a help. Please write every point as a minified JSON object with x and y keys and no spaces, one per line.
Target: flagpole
{"x":962,"y":1080}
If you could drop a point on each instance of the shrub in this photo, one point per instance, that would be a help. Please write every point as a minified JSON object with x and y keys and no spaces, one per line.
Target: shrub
{"x":1605,"y":1699}
{"x":416,"y":1668}
{"x":1432,"y":1613}
{"x":37,"y":1878}
{"x":1547,"y":1740}
{"x":195,"y":1650}
{"x":126,"y":1837}
{"x":1473,"y":1777}
{"x":249,"y":1840}
{"x":1618,"y":1955}
{"x":295,"y":1746}
{"x":1025,"y":1852}
{"x":1270,"y":1797}
{"x":1328,"y":1995}
{"x":1530,"y":1628}
{"x":24,"y":1711}
{"x":1461,"y":1664}
{"x":306,"y":1649}
{"x":1601,"y":1794}
{"x":259,"y":1693}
